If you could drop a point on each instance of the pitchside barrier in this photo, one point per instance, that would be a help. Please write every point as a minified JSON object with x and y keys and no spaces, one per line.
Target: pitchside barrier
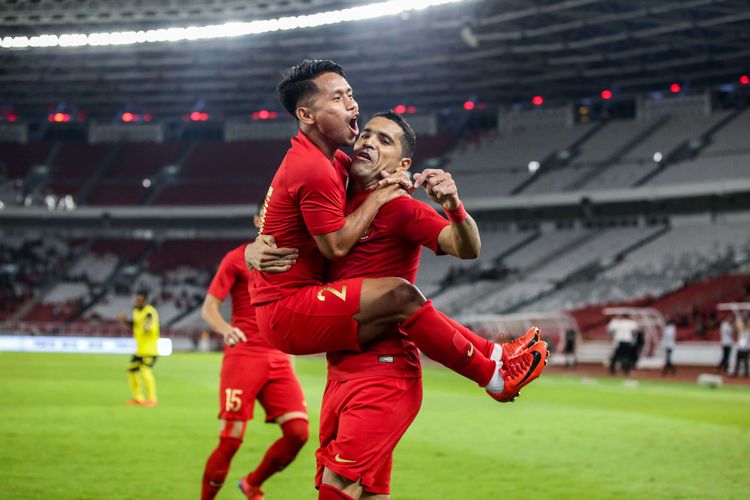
{"x":107,"y":338}
{"x":501,"y":327}
{"x":77,"y":345}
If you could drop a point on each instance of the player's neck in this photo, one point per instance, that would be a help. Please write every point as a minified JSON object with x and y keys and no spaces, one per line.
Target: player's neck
{"x":358,"y":185}
{"x":323,"y":143}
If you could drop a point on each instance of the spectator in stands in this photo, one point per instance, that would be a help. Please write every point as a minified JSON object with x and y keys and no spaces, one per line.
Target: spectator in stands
{"x":726,"y":330}
{"x":622,"y":328}
{"x":743,"y":343}
{"x":570,"y":348}
{"x":669,"y":340}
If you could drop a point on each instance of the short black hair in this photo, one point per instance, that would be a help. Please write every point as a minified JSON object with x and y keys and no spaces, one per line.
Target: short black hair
{"x":297,"y":82}
{"x":409,"y":139}
{"x":143,"y":292}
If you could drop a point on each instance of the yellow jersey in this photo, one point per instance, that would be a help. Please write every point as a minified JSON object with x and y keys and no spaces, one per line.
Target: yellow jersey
{"x":146,"y":340}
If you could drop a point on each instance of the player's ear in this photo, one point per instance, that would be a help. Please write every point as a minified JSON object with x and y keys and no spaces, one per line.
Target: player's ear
{"x":404,"y":164}
{"x":305,"y":115}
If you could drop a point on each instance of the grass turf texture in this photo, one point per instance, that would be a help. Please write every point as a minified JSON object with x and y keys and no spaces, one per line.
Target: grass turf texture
{"x":66,"y":433}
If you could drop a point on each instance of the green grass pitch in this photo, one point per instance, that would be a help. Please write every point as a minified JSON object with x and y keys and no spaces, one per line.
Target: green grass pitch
{"x":65,"y":433}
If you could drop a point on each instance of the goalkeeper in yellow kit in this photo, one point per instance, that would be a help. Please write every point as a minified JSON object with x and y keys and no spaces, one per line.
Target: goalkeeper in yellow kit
{"x":145,"y":323}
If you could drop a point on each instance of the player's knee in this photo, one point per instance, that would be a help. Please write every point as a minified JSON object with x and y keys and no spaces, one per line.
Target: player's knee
{"x":296,"y":431}
{"x":407,"y":298}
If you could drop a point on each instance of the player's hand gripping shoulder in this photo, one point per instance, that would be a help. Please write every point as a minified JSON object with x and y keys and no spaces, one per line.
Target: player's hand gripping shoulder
{"x":263,"y":255}
{"x":394,"y":185}
{"x":439,"y":186}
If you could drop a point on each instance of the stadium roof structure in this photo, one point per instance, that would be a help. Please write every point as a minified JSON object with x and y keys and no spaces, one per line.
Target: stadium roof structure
{"x":495,"y":51}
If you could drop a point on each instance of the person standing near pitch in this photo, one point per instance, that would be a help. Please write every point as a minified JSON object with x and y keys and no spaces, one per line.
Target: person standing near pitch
{"x":250,"y":370}
{"x":145,"y":324}
{"x":297,"y":311}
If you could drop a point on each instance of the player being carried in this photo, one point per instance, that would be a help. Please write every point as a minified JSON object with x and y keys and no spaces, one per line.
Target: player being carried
{"x":250,"y":370}
{"x":305,"y":209}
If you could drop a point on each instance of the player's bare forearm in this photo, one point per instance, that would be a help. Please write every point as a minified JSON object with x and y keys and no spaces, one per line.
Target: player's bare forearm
{"x":461,"y":239}
{"x":338,"y":243}
{"x":213,"y":318}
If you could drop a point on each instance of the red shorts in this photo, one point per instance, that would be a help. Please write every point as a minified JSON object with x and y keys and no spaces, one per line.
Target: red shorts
{"x":270,"y":380}
{"x":315,"y":319}
{"x":361,"y":422}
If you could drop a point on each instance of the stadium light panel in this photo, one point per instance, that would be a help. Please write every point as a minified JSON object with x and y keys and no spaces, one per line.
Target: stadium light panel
{"x":399,"y":109}
{"x":534,"y":166}
{"x":59,"y":117}
{"x":606,"y":94}
{"x":658,"y":157}
{"x":675,"y":88}
{"x":537,"y":100}
{"x":469,"y":105}
{"x":745,"y":80}
{"x":227,"y":30}
{"x":128,"y":117}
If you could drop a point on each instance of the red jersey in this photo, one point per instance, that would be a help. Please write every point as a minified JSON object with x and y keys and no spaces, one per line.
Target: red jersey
{"x":232,"y":279}
{"x":307,"y":197}
{"x":391,"y":247}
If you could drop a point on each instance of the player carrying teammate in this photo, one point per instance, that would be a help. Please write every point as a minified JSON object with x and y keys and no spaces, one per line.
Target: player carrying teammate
{"x":305,"y":209}
{"x":145,"y":323}
{"x":250,"y":370}
{"x":373,"y":396}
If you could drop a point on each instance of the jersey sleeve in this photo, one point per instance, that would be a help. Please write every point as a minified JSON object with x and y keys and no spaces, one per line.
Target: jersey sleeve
{"x":223,"y":279}
{"x":322,"y":198}
{"x":417,"y":222}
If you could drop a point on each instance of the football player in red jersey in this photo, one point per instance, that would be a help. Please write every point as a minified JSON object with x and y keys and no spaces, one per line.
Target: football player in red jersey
{"x":251,"y":369}
{"x":373,"y":395}
{"x":297,"y":311}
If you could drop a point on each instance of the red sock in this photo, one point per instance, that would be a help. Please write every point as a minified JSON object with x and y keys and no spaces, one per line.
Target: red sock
{"x":441,"y":341}
{"x":217,"y":466}
{"x":482,"y":344}
{"x":282,"y":452}
{"x":328,"y":492}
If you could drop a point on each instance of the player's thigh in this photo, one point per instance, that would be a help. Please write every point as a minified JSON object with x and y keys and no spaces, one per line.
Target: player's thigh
{"x":242,"y":378}
{"x":149,"y":361}
{"x":135,"y":364}
{"x":281,"y":396}
{"x":315,"y":319}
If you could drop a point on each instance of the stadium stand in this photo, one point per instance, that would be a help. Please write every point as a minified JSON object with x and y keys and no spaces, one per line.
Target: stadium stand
{"x":578,"y":268}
